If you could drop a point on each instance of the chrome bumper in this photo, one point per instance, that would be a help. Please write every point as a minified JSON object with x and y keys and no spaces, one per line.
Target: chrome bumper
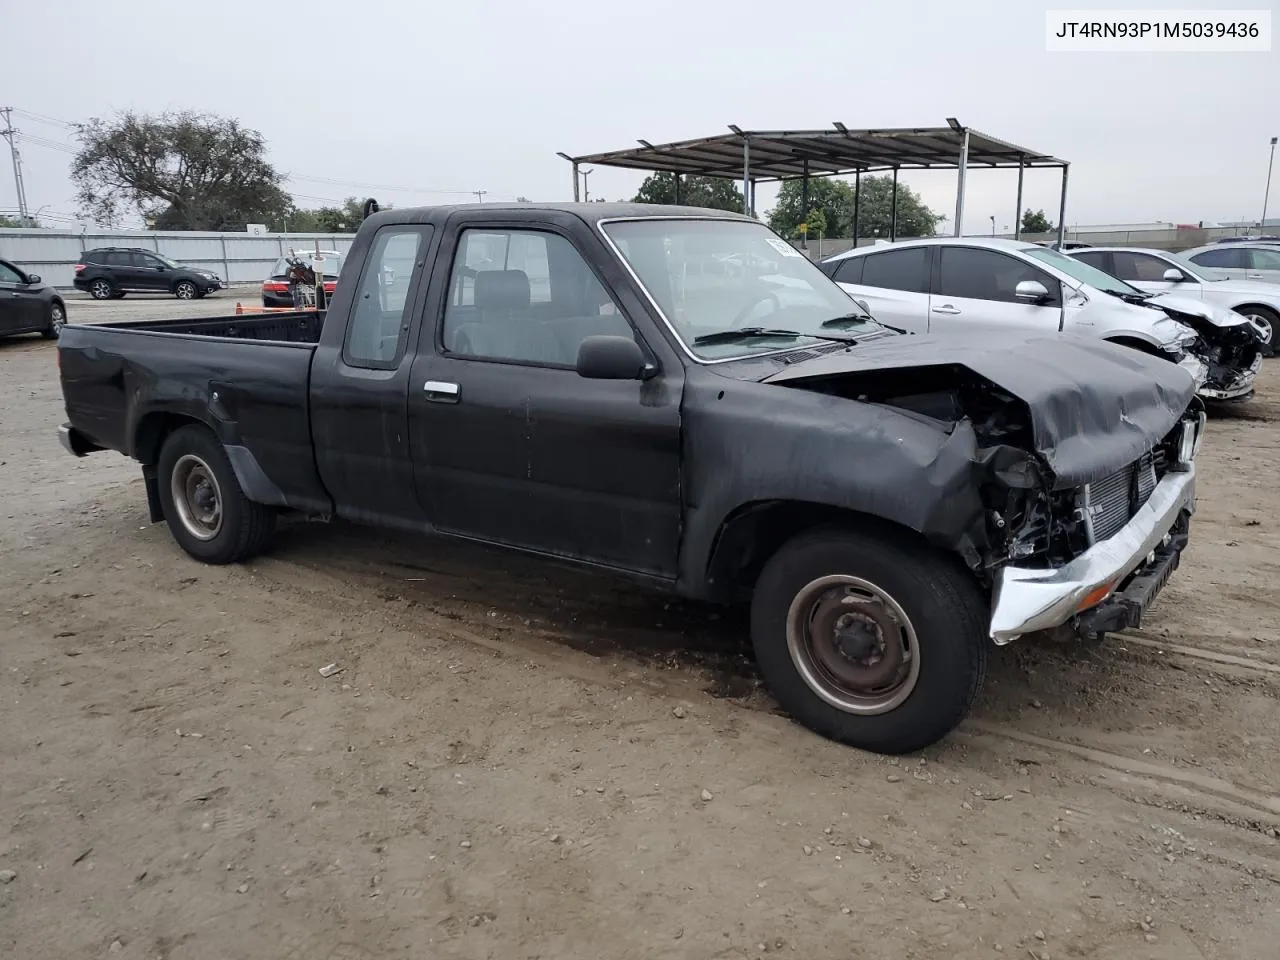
{"x":64,"y":438}
{"x":1028,"y":599}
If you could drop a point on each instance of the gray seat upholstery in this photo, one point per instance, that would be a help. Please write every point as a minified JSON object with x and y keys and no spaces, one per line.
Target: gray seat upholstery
{"x":504,"y":326}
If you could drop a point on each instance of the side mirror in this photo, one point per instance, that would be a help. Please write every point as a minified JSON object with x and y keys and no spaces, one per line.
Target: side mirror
{"x":611,"y":358}
{"x":863,"y":304}
{"x":33,"y":278}
{"x":1033,"y":291}
{"x":1173,"y":275}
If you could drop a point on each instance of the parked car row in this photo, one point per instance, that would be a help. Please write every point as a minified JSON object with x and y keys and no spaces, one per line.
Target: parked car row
{"x":1215,"y":329}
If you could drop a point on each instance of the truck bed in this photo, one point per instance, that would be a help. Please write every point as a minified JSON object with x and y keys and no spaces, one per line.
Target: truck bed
{"x":301,"y":326}
{"x":246,"y":377}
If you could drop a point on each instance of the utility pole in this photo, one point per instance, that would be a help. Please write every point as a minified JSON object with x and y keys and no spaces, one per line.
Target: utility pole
{"x":1267,"y":194}
{"x":479,"y":195}
{"x":11,"y":135}
{"x":586,"y":190}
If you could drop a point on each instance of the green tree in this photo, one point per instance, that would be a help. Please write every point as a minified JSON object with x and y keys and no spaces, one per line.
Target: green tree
{"x":344,"y":219}
{"x":834,"y":199}
{"x":14,"y":222}
{"x":815,"y":224}
{"x":715,"y":193}
{"x":178,"y":170}
{"x":1036,"y":222}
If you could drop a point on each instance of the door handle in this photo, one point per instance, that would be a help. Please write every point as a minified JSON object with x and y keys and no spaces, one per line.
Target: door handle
{"x":438,"y":391}
{"x":946,"y":308}
{"x":1253,"y":276}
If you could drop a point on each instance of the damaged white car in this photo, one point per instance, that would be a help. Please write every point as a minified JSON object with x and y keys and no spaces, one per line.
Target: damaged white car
{"x":968,"y":284}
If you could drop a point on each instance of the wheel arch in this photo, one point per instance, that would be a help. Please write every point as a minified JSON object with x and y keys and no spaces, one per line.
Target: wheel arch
{"x":753,"y":532}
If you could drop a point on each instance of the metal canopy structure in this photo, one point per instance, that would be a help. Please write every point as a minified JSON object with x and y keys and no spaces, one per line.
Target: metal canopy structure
{"x":760,"y":156}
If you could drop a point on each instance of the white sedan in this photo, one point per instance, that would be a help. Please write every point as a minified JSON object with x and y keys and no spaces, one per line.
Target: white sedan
{"x":1159,"y":271}
{"x":1239,"y":261}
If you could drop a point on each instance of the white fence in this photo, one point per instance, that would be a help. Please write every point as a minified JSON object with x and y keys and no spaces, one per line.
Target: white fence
{"x":236,"y":257}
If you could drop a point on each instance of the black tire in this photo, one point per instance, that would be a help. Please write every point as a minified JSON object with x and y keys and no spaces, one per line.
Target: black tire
{"x":244,"y":527}
{"x":185,"y":290}
{"x":57,"y":319}
{"x":943,"y":606}
{"x":102,"y":289}
{"x":1271,"y":317}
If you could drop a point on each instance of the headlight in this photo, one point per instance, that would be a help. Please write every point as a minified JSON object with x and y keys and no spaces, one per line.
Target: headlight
{"x":1187,"y":443}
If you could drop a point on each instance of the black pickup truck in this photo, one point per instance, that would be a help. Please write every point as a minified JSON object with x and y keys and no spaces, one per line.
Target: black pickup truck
{"x":681,"y":397}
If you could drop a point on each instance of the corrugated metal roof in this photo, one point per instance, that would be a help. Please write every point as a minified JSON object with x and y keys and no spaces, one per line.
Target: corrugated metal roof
{"x":787,"y":154}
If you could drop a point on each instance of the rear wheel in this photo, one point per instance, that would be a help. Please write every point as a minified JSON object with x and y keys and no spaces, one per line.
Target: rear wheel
{"x":1265,"y":321}
{"x":102,"y":289}
{"x":185,"y":290}
{"x":57,"y":320}
{"x":870,"y":642}
{"x":204,"y":505}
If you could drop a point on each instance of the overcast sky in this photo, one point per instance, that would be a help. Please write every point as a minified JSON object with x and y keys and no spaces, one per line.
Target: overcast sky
{"x":441,"y":98}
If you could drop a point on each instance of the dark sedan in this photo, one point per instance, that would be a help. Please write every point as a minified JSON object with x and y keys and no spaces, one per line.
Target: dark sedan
{"x":28,"y":305}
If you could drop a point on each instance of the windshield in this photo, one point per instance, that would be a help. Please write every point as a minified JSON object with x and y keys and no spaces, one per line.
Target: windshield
{"x":1194,"y":269}
{"x":1079,"y":270}
{"x":713,"y":277}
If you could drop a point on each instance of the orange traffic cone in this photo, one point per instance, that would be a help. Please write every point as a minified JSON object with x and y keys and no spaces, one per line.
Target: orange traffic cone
{"x":239,"y":309}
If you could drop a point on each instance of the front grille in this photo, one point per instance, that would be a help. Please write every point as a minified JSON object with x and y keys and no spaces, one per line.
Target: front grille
{"x":1111,"y":502}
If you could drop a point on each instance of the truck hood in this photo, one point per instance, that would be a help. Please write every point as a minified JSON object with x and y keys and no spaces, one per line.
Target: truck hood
{"x":1093,"y":407}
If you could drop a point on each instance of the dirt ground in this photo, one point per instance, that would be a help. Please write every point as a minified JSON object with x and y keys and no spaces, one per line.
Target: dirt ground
{"x":500,"y":768}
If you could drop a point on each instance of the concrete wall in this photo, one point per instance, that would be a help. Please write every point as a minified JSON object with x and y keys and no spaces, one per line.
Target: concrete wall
{"x":236,"y":257}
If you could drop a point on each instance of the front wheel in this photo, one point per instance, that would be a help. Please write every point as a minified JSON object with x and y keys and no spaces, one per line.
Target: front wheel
{"x":57,"y":320}
{"x":204,"y":505}
{"x":102,"y":289}
{"x":185,"y":290}
{"x":869,"y":641}
{"x":1264,"y":321}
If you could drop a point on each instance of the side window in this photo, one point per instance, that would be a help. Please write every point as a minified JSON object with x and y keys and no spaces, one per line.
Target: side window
{"x":849,"y":271}
{"x":8,"y":274}
{"x":526,"y":296}
{"x":906,"y":270}
{"x":1263,"y":259}
{"x":1139,"y":266}
{"x":117,"y":258}
{"x":1101,"y":261}
{"x":1224,"y":257}
{"x":378,"y":316}
{"x":146,"y":261}
{"x":987,"y":275}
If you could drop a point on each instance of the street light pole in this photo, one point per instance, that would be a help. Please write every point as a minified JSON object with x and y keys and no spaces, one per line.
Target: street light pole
{"x":586,"y":190}
{"x":992,"y":218}
{"x":1267,"y":193}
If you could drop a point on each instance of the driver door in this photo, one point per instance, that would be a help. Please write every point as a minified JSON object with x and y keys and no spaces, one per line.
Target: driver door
{"x":975,"y":289}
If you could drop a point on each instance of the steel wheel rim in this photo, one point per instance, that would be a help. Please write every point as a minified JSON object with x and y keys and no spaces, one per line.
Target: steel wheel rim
{"x":101,"y":290}
{"x":853,"y":645}
{"x":186,"y":291}
{"x":197,"y":497}
{"x":57,"y":318}
{"x":1262,"y":325}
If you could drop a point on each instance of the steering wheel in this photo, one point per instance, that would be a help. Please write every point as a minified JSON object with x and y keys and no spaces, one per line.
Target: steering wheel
{"x":760,"y":298}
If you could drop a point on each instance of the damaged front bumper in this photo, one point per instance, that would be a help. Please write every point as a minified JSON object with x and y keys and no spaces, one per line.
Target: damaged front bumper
{"x":1234,"y":385}
{"x":1029,"y":599}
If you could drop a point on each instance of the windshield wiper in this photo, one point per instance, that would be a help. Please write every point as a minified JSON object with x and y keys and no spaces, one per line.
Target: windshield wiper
{"x":864,"y":317}
{"x":751,"y":333}
{"x":744,"y":333}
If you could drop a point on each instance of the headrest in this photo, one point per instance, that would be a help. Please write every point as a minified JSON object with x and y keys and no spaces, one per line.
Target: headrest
{"x":502,"y":290}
